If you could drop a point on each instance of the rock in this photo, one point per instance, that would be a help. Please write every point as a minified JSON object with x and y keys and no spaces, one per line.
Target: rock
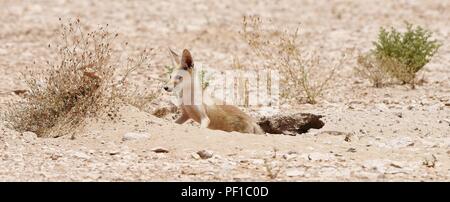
{"x":55,"y":157}
{"x":289,"y":124}
{"x":29,"y":136}
{"x":113,"y":152}
{"x":246,"y":161}
{"x":257,"y":161}
{"x":195,"y":156}
{"x":242,"y":176}
{"x":430,"y":162}
{"x":135,"y":136}
{"x":294,"y":172}
{"x":348,"y":138}
{"x":398,"y":114}
{"x":395,"y":165}
{"x":319,"y":156}
{"x":334,"y":133}
{"x":289,"y":156}
{"x":80,"y":155}
{"x":400,"y":142}
{"x":205,"y":154}
{"x":160,"y":150}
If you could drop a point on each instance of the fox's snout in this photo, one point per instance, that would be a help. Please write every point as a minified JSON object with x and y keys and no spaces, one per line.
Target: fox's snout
{"x":166,"y":88}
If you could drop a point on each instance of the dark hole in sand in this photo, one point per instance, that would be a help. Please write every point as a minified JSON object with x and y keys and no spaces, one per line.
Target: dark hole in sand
{"x":292,"y":124}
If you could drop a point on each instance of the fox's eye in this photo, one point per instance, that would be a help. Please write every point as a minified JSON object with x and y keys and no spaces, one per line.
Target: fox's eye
{"x":178,"y":77}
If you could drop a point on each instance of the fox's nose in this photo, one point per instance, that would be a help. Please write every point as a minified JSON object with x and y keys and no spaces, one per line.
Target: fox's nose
{"x":166,"y":88}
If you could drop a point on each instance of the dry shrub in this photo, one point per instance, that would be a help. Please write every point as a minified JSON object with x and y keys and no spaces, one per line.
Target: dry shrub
{"x":241,"y":83}
{"x":272,"y":165}
{"x":132,"y":93}
{"x":397,"y":70}
{"x":80,"y":82}
{"x":382,"y":71}
{"x":369,"y":67}
{"x":282,"y":51}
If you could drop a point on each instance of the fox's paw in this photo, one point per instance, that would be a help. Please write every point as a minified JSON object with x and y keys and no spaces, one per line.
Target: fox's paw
{"x":204,"y":123}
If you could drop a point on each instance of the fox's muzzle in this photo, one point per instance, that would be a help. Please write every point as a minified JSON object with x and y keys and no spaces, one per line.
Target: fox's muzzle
{"x":166,"y":88}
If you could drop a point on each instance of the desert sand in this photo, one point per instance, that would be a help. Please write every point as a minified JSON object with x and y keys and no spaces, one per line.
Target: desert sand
{"x":371,"y":134}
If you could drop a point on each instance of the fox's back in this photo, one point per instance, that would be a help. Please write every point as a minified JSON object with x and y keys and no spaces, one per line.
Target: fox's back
{"x":230,"y":118}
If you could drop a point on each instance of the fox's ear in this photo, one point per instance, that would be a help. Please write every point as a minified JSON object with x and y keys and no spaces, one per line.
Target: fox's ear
{"x":175,"y":58}
{"x":186,"y":60}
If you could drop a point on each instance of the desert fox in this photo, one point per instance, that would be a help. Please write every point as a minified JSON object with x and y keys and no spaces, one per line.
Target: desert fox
{"x":194,"y":104}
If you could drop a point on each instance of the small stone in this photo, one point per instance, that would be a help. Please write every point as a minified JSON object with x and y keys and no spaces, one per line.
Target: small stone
{"x":205,"y":154}
{"x":294,"y":173}
{"x":289,"y":156}
{"x":242,"y":176}
{"x":398,"y":114}
{"x":80,"y":155}
{"x":395,"y":165}
{"x":55,"y":157}
{"x":319,"y":156}
{"x":195,"y":156}
{"x":348,"y":138}
{"x":160,"y":150}
{"x":246,"y":161}
{"x":257,"y":161}
{"x":135,"y":136}
{"x":29,"y":136}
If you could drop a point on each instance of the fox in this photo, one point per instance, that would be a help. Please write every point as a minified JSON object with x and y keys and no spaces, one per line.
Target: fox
{"x":201,"y":107}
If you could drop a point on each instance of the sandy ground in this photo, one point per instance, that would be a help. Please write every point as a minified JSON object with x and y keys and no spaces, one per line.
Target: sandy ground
{"x":388,"y":134}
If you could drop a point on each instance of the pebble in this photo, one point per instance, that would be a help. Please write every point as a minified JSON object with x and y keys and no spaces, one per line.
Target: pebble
{"x":398,"y":114}
{"x":135,"y":136}
{"x":205,"y":154}
{"x":195,"y":156}
{"x":160,"y":150}
{"x":294,"y":172}
{"x":80,"y":155}
{"x":29,"y":136}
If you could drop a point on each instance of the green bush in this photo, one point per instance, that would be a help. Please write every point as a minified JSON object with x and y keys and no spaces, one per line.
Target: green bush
{"x":405,"y":53}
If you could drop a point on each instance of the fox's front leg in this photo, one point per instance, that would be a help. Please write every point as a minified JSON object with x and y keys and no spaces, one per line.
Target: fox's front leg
{"x":204,"y":120}
{"x":182,"y":119}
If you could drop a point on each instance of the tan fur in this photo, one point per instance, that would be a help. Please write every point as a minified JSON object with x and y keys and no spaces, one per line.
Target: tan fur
{"x":210,"y":115}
